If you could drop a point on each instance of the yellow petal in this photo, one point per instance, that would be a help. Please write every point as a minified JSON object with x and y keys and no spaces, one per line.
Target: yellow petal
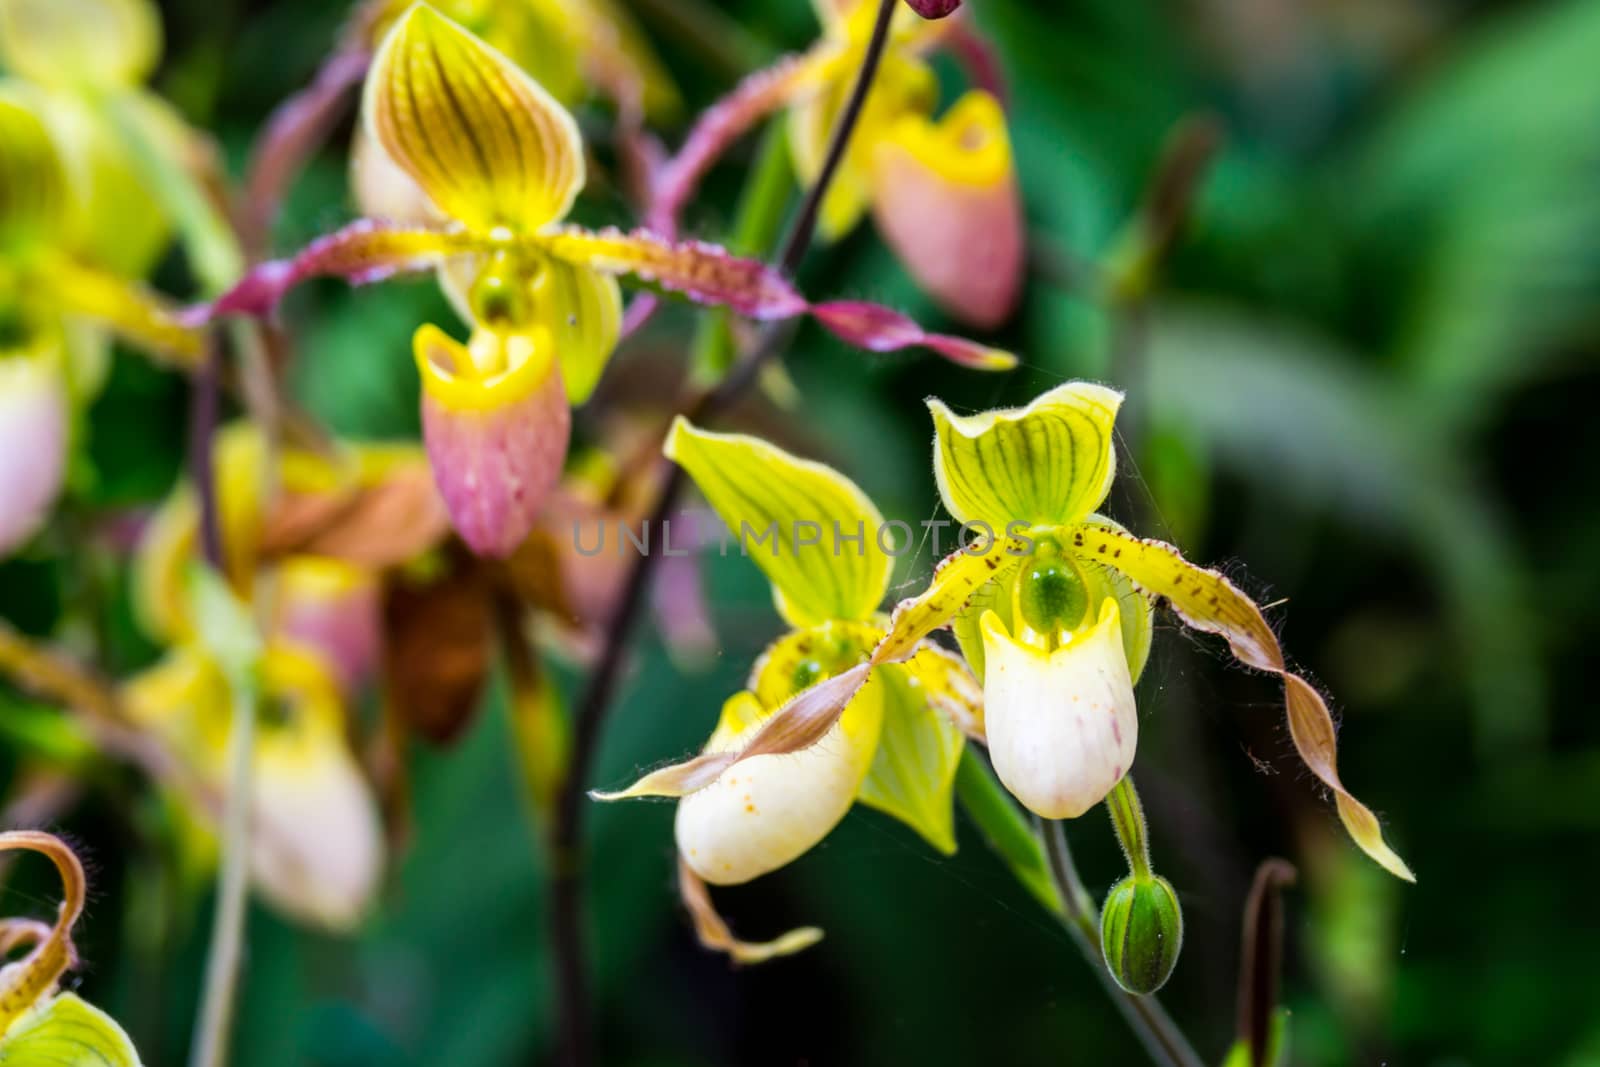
{"x":1062,"y":725}
{"x":1207,"y":601}
{"x":80,"y":43}
{"x":1050,"y":463}
{"x":69,"y":1032}
{"x":765,"y":811}
{"x":912,"y":776}
{"x":486,"y":143}
{"x":810,"y":529}
{"x":33,"y":185}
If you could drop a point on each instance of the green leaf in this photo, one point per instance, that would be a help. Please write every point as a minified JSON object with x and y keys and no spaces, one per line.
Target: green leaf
{"x":913,"y":773}
{"x":1050,"y":463}
{"x":1005,"y":828}
{"x":791,"y":517}
{"x":67,"y":1032}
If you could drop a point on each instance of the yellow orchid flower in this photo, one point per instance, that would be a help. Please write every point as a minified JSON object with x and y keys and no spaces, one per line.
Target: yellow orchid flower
{"x":942,"y":190}
{"x":501,"y":162}
{"x":53,"y":310}
{"x":39,"y":1024}
{"x":897,"y":742}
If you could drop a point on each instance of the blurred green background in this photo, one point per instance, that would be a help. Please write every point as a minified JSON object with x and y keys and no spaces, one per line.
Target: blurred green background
{"x":1364,"y":385}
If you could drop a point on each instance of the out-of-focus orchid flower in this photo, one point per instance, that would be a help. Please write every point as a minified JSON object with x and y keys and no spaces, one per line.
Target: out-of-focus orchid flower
{"x":897,"y":742}
{"x":81,"y":65}
{"x":943,"y":190}
{"x":306,"y":542}
{"x":52,"y":305}
{"x":318,"y":851}
{"x":1049,"y":603}
{"x":39,"y":1024}
{"x":501,"y":161}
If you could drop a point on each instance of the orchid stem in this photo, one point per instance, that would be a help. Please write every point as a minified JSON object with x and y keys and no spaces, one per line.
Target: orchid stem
{"x":567,"y":863}
{"x":1160,"y":1036}
{"x":217,"y":259}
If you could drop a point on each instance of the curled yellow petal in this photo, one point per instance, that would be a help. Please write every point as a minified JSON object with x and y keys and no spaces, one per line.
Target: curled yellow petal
{"x":1207,"y":601}
{"x":30,"y":979}
{"x":1051,"y":462}
{"x":489,"y":146}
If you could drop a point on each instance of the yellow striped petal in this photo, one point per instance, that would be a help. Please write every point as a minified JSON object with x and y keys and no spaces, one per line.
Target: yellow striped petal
{"x":810,"y":529}
{"x":68,"y":1031}
{"x":489,"y":146}
{"x":1050,"y":463}
{"x":912,"y":776}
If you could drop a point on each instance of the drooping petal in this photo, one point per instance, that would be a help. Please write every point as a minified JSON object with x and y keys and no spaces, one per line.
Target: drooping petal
{"x":1062,"y":726}
{"x":1207,"y":601}
{"x":958,"y":577}
{"x":79,"y":44}
{"x":912,"y":776}
{"x":945,"y":198}
{"x":33,"y":443}
{"x":320,"y":854}
{"x":1050,"y":463}
{"x":294,"y":132}
{"x":127,"y":309}
{"x":487,"y":144}
{"x":67,"y":1030}
{"x":806,"y":510}
{"x":714,"y":933}
{"x":765,"y":811}
{"x":880,"y":329}
{"x":800,"y":723}
{"x":496,"y":441}
{"x":329,"y":609}
{"x":363,"y":252}
{"x":701,"y":272}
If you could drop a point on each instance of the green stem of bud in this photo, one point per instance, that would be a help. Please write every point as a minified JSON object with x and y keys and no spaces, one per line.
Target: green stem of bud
{"x":1127,"y":818}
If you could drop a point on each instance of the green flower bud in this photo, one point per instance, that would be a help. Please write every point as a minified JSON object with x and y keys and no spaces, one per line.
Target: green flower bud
{"x":1141,"y":932}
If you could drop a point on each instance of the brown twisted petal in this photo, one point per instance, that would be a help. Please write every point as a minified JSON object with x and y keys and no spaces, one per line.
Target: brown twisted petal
{"x":714,"y":933}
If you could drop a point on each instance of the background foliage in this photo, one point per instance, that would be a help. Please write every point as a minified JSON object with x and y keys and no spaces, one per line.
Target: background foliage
{"x":1367,"y":371}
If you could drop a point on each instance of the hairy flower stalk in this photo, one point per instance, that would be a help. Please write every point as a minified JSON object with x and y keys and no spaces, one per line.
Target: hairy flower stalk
{"x":501,"y":160}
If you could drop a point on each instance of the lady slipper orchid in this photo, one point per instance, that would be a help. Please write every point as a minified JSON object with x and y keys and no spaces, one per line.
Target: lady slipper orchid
{"x":897,"y":740}
{"x":943,"y":190}
{"x":40,"y":1024}
{"x":1049,"y":606}
{"x":501,"y":160}
{"x":51,"y":308}
{"x":1039,"y":620}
